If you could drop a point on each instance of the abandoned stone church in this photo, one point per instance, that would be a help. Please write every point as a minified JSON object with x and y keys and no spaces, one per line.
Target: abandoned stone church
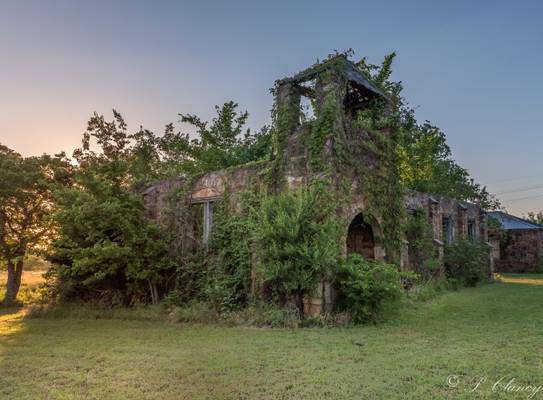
{"x":339,"y":145}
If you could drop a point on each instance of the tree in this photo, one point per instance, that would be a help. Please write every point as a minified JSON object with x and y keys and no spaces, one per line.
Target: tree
{"x":27,"y":185}
{"x":106,"y":249}
{"x":220,"y":144}
{"x":426,"y":165}
{"x":535,"y":217}
{"x":425,"y":158}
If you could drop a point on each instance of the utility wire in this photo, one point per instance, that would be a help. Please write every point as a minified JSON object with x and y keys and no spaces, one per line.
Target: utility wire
{"x":524,"y":198}
{"x":513,"y":179}
{"x":522,"y":189}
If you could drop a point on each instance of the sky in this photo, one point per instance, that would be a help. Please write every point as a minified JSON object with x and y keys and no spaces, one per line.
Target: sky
{"x":470,"y":67}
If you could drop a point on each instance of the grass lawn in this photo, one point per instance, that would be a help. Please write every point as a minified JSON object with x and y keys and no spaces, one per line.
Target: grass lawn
{"x":434,"y":350}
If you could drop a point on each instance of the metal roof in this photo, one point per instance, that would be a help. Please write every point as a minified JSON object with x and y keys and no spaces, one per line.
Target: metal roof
{"x":510,"y":222}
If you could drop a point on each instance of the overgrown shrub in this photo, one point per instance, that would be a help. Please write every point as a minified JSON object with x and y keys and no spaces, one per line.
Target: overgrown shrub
{"x":365,"y":286}
{"x":229,"y":282}
{"x":466,"y":262}
{"x":297,"y":237}
{"x":106,"y":251}
{"x":422,"y":251}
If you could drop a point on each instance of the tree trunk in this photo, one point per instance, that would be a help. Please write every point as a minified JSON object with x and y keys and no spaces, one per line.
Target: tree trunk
{"x":15,"y":272}
{"x":154,"y":292}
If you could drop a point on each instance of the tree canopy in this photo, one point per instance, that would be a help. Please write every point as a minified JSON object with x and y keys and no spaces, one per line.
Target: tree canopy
{"x":425,"y":159}
{"x":27,"y":185}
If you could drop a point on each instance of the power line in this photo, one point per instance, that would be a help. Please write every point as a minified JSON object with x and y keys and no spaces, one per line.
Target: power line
{"x":525,"y":198}
{"x":513,"y":179}
{"x":522,"y":189}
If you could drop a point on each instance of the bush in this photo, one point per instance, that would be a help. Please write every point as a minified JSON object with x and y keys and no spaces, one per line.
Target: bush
{"x":297,"y":237}
{"x":466,"y":262}
{"x":228,"y":285}
{"x":422,"y":251}
{"x":106,"y":250}
{"x":365,"y":286}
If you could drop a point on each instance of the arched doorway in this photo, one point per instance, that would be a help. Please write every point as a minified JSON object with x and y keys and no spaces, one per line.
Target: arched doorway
{"x":360,"y":238}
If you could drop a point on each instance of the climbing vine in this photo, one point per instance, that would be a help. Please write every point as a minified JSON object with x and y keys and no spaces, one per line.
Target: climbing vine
{"x":422,"y":250}
{"x":285,"y":117}
{"x":379,"y":175}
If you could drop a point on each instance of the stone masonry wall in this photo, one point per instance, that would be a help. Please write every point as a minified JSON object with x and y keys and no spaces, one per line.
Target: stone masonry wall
{"x":522,"y":251}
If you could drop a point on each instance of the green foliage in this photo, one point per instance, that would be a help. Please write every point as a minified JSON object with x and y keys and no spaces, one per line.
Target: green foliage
{"x":467,"y":262}
{"x":230,"y":259}
{"x":536,"y":218}
{"x":285,"y":118}
{"x":105,"y":248}
{"x":424,"y":157}
{"x":381,"y":183}
{"x":365,"y":286}
{"x":426,"y":165}
{"x":422,"y":250}
{"x":26,"y":207}
{"x":322,"y":128}
{"x":297,"y":237}
{"x":220,"y":144}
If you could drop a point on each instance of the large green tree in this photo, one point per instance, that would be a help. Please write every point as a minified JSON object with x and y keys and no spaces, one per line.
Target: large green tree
{"x":27,"y":185}
{"x":426,"y":165}
{"x":106,"y":249}
{"x":224,"y":142}
{"x":425,"y":159}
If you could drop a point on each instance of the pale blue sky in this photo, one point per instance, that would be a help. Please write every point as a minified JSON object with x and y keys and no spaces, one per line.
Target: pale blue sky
{"x":472,"y":68}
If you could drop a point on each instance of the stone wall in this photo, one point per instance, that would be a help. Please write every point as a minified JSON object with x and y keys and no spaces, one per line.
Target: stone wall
{"x":520,"y":251}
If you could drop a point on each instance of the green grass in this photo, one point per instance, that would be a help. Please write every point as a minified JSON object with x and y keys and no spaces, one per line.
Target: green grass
{"x":493,"y":331}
